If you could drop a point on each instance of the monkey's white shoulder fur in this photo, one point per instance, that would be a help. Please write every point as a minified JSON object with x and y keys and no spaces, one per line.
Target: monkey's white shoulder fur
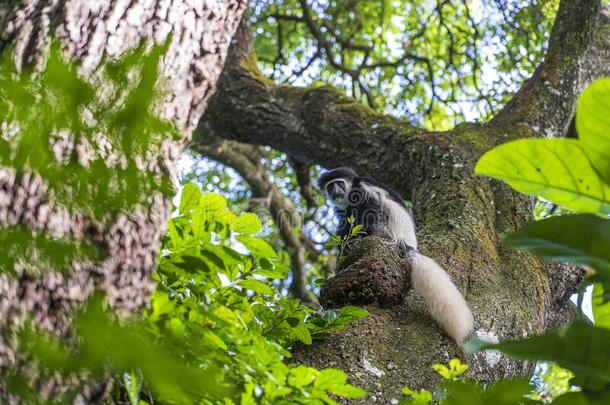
{"x":443,"y":299}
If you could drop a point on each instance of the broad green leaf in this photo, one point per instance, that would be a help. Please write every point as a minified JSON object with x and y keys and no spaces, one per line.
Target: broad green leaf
{"x":302,"y":333}
{"x":173,"y":234}
{"x":278,"y":273}
{"x":256,"y":286}
{"x":347,"y":391}
{"x":161,"y":305}
{"x":505,"y":392}
{"x":330,"y":377}
{"x":190,"y":198}
{"x":214,"y":259}
{"x":214,"y":339}
{"x":593,"y":125}
{"x":581,"y":239}
{"x":580,"y":398}
{"x":226,"y":315}
{"x":229,"y":256}
{"x":258,"y":247}
{"x":177,"y":327}
{"x":579,"y":347}
{"x":212,"y":202}
{"x":452,"y":372}
{"x":248,"y":224}
{"x":352,"y":313}
{"x":557,"y":170}
{"x":601,"y":306}
{"x":301,"y":376}
{"x":335,"y":381}
{"x":224,"y":217}
{"x":421,"y":397}
{"x":199,"y":223}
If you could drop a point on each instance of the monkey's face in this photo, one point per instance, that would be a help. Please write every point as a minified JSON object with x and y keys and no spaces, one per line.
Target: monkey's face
{"x":337,"y":192}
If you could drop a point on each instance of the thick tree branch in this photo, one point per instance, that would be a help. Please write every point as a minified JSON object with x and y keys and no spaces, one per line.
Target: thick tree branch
{"x":578,"y":53}
{"x":320,"y":125}
{"x":326,"y":127}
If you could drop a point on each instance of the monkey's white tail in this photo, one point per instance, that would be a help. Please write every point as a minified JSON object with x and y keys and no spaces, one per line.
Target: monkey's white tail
{"x":445,"y":302}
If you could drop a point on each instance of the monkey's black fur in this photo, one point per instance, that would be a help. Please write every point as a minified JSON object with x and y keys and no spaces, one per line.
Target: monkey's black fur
{"x":381,"y":212}
{"x":366,"y":211}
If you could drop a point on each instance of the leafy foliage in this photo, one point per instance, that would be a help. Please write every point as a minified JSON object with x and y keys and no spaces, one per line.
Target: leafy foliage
{"x":551,"y":382}
{"x":571,"y":173}
{"x":457,"y":390}
{"x":49,"y":115}
{"x":218,"y":330}
{"x":342,"y":243}
{"x":593,"y":123}
{"x":216,"y":295}
{"x":107,"y":346}
{"x":581,"y":239}
{"x":49,"y":121}
{"x":454,"y":371}
{"x":557,"y":170}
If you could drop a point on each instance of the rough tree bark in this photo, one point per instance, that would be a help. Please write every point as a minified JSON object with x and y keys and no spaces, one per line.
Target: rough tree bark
{"x":88,"y":31}
{"x":460,"y":216}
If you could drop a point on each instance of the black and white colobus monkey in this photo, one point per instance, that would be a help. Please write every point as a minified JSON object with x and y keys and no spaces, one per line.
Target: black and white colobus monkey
{"x":381,"y":211}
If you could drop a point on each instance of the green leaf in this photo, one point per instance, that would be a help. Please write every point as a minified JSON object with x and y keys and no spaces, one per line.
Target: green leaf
{"x":256,"y":286}
{"x":301,"y":376}
{"x":330,"y":377}
{"x":347,"y":391}
{"x":161,"y":305}
{"x":455,"y":370}
{"x":212,"y":202}
{"x":248,"y":224}
{"x":173,"y":234}
{"x":277,"y":273}
{"x":302,"y":333}
{"x":334,"y":381}
{"x":133,"y":385}
{"x":579,"y":398}
{"x":352,"y":313}
{"x":224,"y":217}
{"x":579,"y":347}
{"x":555,"y":169}
{"x":580,"y":239}
{"x":505,"y":392}
{"x":177,"y":327}
{"x":190,"y":198}
{"x":214,"y":339}
{"x":600,"y":301}
{"x":593,"y":125}
{"x":421,"y":397}
{"x":258,"y":247}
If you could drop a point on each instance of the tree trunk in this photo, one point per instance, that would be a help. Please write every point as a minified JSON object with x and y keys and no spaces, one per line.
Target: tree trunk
{"x":460,"y":217}
{"x":88,"y":32}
